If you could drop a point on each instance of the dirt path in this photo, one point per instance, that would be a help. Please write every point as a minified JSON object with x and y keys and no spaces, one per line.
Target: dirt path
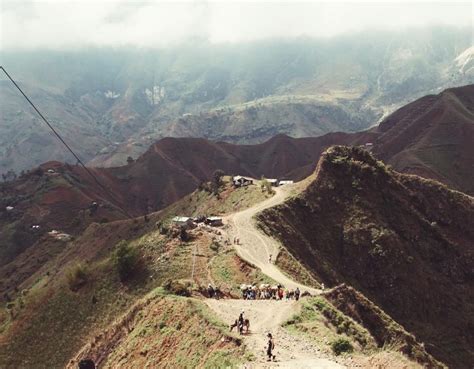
{"x":267,"y":315}
{"x":256,"y":247}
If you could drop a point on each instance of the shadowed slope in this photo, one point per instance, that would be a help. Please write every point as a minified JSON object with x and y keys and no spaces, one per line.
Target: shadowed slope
{"x":403,"y":241}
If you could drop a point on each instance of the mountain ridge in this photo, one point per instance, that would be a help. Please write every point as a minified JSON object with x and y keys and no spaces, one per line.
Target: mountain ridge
{"x":403,"y":241}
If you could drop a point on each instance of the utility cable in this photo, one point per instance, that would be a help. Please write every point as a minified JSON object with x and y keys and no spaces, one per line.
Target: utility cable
{"x":58,"y":136}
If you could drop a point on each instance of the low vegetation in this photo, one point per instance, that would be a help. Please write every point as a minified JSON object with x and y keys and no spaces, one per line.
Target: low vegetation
{"x":177,"y":288}
{"x":319,"y":318}
{"x":266,"y":186}
{"x":291,"y":267}
{"x":341,"y":345}
{"x":77,"y":276}
{"x":338,"y":334}
{"x":359,"y":215}
{"x":126,"y":260}
{"x":203,"y":202}
{"x":178,"y":332}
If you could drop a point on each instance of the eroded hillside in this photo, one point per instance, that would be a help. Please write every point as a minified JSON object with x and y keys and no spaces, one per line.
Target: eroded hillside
{"x":403,"y":241}
{"x":59,"y":295}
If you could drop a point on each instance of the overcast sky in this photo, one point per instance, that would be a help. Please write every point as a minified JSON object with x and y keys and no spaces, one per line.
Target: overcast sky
{"x":57,"y":24}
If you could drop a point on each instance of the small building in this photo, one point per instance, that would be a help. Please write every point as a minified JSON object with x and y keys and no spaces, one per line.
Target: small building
{"x":240,"y":181}
{"x":214,"y":221}
{"x":63,"y":237}
{"x":369,"y":146}
{"x":285,"y":182}
{"x":9,"y":208}
{"x":51,"y":171}
{"x":273,"y":181}
{"x":183,"y":222}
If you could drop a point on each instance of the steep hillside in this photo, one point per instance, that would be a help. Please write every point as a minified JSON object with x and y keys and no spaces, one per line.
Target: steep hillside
{"x":376,"y":341}
{"x":169,"y":332}
{"x":258,"y":121}
{"x":122,"y":99}
{"x":432,"y":137}
{"x":25,"y":141}
{"x":171,"y":168}
{"x":75,"y":292}
{"x":403,"y":241}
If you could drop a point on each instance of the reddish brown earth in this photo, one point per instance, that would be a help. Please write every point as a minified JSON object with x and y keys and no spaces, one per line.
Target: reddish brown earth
{"x":403,"y":241}
{"x":432,"y":137}
{"x":170,"y":169}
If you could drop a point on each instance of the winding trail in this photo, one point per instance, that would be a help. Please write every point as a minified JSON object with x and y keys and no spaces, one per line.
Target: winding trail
{"x":268,"y":315}
{"x":291,"y":351}
{"x":256,"y":247}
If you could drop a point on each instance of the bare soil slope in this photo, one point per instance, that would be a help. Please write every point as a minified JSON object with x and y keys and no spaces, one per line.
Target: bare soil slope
{"x":404,"y":242}
{"x":432,"y":137}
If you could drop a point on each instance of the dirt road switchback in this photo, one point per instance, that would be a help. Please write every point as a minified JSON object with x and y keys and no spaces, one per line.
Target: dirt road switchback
{"x":254,"y":246}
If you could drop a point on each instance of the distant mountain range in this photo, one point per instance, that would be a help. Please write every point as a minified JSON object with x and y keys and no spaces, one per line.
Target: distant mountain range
{"x":114,"y":103}
{"x":431,"y":137}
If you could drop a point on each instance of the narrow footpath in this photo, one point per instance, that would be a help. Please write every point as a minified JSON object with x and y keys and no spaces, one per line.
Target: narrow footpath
{"x":266,"y":316}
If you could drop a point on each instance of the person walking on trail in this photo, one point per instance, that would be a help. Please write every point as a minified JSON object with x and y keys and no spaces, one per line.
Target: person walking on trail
{"x":270,"y":348}
{"x":210,"y":291}
{"x":241,"y":321}
{"x":280,"y":293}
{"x":297,"y":294}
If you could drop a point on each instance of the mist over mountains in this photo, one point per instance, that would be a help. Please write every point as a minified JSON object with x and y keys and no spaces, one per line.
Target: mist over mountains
{"x":314,"y":156}
{"x":112,"y":103}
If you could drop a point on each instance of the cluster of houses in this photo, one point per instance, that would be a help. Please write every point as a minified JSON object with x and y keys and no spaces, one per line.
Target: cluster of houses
{"x":190,"y":222}
{"x":241,"y":181}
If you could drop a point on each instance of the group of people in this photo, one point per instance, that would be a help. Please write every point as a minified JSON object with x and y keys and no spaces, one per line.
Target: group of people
{"x":268,"y":292}
{"x":213,"y":292}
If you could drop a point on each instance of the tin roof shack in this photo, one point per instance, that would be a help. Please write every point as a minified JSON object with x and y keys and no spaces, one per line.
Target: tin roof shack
{"x":285,"y":182}
{"x":214,"y":221}
{"x":240,"y":181}
{"x":369,"y":146}
{"x":273,"y":181}
{"x":183,"y":222}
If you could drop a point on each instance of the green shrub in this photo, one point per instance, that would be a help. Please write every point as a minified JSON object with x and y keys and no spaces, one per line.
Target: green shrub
{"x":177,"y":288}
{"x":215,"y":246}
{"x":341,"y":345}
{"x":126,"y":260}
{"x":183,"y":235}
{"x":11,"y":309}
{"x":265,"y":185}
{"x":77,"y":276}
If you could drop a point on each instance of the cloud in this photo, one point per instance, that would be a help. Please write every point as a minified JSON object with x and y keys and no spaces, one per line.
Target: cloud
{"x":59,"y":24}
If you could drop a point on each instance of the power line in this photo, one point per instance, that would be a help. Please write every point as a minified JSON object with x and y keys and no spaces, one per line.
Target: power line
{"x":58,"y":136}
